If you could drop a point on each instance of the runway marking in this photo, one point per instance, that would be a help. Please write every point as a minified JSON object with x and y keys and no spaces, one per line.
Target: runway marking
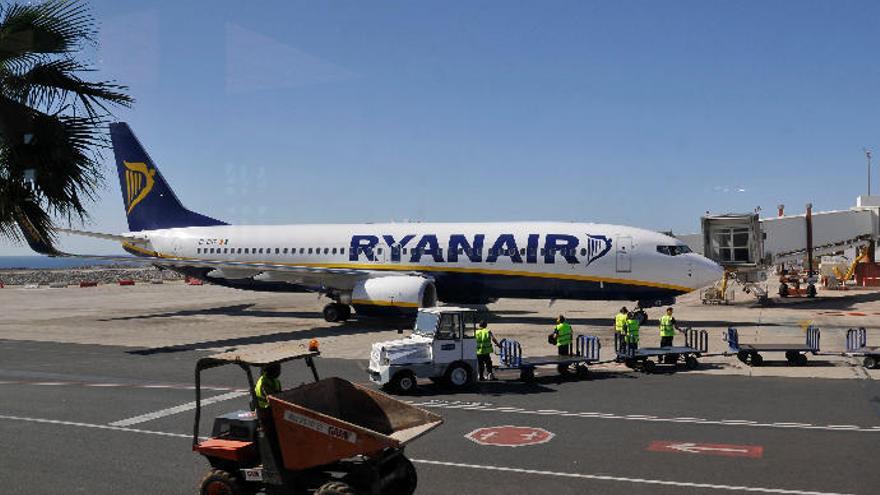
{"x":599,"y":477}
{"x":175,"y":410}
{"x":115,"y":385}
{"x":89,"y":425}
{"x":484,"y":407}
{"x":645,"y":481}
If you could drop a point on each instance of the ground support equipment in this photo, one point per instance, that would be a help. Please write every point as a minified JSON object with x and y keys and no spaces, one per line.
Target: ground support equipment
{"x":857,"y":346}
{"x":795,"y":354}
{"x":586,"y":351}
{"x":330,"y":437}
{"x":696,"y":345}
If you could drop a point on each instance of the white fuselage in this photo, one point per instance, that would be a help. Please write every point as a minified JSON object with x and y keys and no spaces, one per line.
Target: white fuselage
{"x":491,"y":260}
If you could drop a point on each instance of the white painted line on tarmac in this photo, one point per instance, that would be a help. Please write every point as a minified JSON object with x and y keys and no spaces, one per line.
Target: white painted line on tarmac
{"x":645,"y":481}
{"x":653,"y":419}
{"x":48,"y":384}
{"x":174,"y":410}
{"x":88,"y":425}
{"x":599,"y":477}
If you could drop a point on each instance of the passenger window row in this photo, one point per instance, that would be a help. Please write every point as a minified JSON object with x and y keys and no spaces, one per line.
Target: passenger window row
{"x":288,"y":251}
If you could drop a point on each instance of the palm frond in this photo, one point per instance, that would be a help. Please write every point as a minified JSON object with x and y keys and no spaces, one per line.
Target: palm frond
{"x":51,"y":27}
{"x":50,"y":85}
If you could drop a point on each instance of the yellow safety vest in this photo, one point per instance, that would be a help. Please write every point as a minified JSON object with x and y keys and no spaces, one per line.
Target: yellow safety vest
{"x":484,"y":341}
{"x":667,"y":329}
{"x":563,"y":334}
{"x":620,"y":323}
{"x":632,"y":331}
{"x":264,"y":388}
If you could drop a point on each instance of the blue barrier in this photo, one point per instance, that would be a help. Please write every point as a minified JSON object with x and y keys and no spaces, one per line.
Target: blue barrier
{"x":733,"y":340}
{"x":813,"y":335}
{"x":510,"y":353}
{"x":588,"y":347}
{"x":856,"y":338}
{"x":697,"y":339}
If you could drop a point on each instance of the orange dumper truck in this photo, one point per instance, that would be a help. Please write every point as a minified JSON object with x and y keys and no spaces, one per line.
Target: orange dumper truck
{"x":330,"y":437}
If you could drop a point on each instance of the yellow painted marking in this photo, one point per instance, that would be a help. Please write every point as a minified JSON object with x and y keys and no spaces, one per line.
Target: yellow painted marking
{"x":401,"y":304}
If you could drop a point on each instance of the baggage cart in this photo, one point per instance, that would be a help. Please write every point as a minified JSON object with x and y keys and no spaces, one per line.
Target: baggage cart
{"x":857,"y":346}
{"x":795,"y":354}
{"x":696,"y":345}
{"x":586,"y":351}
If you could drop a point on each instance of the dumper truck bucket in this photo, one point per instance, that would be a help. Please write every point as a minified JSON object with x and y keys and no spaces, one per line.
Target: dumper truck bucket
{"x":332,"y":419}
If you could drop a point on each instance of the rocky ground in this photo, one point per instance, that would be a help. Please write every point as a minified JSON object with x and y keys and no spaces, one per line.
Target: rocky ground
{"x":73,"y":276}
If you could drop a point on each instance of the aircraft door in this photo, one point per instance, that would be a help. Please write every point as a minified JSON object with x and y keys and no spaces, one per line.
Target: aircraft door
{"x":624,"y":252}
{"x":447,"y":340}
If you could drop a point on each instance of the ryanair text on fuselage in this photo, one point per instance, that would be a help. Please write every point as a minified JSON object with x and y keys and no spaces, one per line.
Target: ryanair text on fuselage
{"x":464,"y":248}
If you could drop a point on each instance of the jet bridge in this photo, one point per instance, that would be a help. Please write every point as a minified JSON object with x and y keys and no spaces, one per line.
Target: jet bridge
{"x":746,"y":245}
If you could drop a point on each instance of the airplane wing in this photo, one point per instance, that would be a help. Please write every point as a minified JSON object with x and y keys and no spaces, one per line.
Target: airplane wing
{"x":339,"y":278}
{"x":106,"y":237}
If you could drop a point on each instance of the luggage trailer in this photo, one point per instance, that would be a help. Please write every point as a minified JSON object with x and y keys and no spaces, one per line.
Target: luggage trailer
{"x":586,"y":351}
{"x":857,"y":346}
{"x":696,"y":345}
{"x":795,"y":354}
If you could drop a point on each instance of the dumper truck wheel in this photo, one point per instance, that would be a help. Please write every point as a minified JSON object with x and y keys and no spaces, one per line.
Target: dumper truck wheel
{"x":335,"y":488}
{"x":870,"y":362}
{"x":404,"y":382}
{"x":402,"y":480}
{"x":458,"y":375}
{"x":219,"y":482}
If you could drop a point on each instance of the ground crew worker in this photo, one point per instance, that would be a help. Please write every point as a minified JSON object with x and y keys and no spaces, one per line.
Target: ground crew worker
{"x":620,"y":328}
{"x":268,"y":384}
{"x":667,"y":328}
{"x":562,"y":332}
{"x":485,"y":339}
{"x":667,"y":333}
{"x":632,"y":331}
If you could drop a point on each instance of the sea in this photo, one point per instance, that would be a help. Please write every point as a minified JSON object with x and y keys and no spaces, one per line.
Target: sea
{"x":45,"y":262}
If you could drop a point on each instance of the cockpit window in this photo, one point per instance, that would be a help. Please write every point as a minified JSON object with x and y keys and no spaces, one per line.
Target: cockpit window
{"x":673,"y":250}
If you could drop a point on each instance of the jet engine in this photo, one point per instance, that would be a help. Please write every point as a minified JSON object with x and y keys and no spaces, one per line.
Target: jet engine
{"x":396,"y":295}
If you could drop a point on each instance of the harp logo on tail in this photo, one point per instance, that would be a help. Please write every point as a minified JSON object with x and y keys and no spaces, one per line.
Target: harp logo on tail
{"x":138,"y":183}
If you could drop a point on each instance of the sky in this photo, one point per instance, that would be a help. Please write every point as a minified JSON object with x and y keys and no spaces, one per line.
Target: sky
{"x":639,"y":113}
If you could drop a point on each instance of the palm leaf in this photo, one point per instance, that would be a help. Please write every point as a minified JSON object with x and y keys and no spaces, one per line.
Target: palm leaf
{"x":49,"y":84}
{"x":55,"y":26}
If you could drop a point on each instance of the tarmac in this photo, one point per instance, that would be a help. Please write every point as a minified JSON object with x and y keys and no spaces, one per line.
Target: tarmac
{"x":96,"y":392}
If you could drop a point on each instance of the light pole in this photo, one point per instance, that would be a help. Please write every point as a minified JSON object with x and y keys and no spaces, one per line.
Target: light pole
{"x":868,"y":156}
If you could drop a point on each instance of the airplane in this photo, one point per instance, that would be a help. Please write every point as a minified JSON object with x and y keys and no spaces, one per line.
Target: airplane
{"x":383,"y":269}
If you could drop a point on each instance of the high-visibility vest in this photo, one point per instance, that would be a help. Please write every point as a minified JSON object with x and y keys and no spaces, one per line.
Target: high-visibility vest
{"x":667,"y":329}
{"x":632,"y":331}
{"x":563,"y":334}
{"x":620,"y":323}
{"x":484,"y":341}
{"x":264,"y":388}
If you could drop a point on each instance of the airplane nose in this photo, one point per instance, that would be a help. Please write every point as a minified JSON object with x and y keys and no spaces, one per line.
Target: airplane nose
{"x":706,"y":271}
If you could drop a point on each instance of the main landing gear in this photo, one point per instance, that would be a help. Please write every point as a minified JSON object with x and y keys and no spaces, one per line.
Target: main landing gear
{"x":334,"y":312}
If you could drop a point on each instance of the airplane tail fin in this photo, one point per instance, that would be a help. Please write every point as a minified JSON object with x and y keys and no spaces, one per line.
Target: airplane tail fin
{"x":149,"y":201}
